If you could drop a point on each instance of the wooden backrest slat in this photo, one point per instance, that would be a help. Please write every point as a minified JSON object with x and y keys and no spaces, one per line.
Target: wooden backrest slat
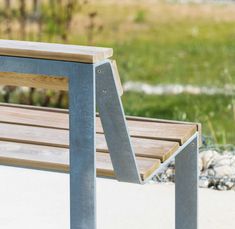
{"x":36,"y":81}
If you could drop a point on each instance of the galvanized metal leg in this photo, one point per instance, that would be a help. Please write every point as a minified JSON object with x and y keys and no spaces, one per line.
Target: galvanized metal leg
{"x":82,"y":149}
{"x":186,"y":187}
{"x":114,"y":125}
{"x":82,"y":129}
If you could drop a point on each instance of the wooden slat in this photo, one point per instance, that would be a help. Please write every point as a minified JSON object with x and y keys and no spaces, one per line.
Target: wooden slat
{"x":44,"y":128}
{"x":162,"y":131}
{"x":135,"y":118}
{"x":57,"y":159}
{"x":36,"y":81}
{"x":87,"y":54}
{"x":60,"y":138}
{"x":198,"y":125}
{"x":20,"y":115}
{"x":117,"y":77}
{"x":31,"y":107}
{"x":154,"y":130}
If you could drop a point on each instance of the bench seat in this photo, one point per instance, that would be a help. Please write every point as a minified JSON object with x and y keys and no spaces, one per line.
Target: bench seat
{"x":37,"y":137}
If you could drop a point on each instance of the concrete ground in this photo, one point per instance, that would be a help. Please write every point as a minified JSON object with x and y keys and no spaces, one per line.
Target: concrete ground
{"x":31,"y":199}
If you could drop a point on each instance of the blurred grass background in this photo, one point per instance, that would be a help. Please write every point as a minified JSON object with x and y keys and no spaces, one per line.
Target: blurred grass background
{"x":154,"y":42}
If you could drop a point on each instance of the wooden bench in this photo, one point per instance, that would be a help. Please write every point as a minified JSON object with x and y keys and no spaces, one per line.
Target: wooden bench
{"x":86,"y":144}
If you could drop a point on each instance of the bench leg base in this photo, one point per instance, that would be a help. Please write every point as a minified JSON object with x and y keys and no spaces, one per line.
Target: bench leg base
{"x":186,"y":187}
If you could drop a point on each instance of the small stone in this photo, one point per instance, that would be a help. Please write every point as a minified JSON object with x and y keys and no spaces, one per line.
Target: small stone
{"x":163,"y":177}
{"x":225,"y":170}
{"x":229,"y":184}
{"x":225,"y":183}
{"x":212,"y":182}
{"x":221,"y":187}
{"x":210,"y":172}
{"x":169,"y":172}
{"x":233,"y":188}
{"x":203,"y":182}
{"x":208,"y":157}
{"x":222,"y":161}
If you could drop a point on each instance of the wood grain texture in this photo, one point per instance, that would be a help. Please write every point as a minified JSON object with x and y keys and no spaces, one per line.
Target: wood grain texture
{"x":38,"y":132}
{"x":57,"y":159}
{"x":60,"y":138}
{"x":86,"y":54}
{"x":31,"y":107}
{"x":117,"y":77}
{"x":170,"y":131}
{"x":36,"y":81}
{"x":198,"y":125}
{"x":134,"y":118}
{"x":162,"y":131}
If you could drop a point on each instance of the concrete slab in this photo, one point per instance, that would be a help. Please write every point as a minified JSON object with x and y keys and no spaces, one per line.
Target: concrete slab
{"x":38,"y":199}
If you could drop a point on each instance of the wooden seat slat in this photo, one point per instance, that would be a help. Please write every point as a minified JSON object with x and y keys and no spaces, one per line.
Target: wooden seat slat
{"x":86,"y":54}
{"x":178,"y":132}
{"x":60,"y":138}
{"x":162,"y":131}
{"x":38,"y":137}
{"x":57,"y":159}
{"x":151,"y":120}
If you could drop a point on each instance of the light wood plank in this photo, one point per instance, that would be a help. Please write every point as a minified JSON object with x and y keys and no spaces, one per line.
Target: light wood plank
{"x":60,"y":138}
{"x":117,"y":77}
{"x":37,"y":108}
{"x":86,"y":54}
{"x":57,"y":159}
{"x":162,"y":131}
{"x":179,"y":132}
{"x":198,"y":125}
{"x":45,"y":118}
{"x":36,"y":81}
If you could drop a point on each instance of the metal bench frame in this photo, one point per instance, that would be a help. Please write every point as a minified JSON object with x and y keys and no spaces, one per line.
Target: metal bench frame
{"x":91,"y":85}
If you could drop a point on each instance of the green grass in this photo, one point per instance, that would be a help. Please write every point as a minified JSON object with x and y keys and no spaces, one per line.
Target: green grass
{"x":214,"y":112}
{"x":187,"y":62}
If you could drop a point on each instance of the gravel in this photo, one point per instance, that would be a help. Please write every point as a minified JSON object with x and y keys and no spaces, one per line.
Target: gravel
{"x":217,"y":170}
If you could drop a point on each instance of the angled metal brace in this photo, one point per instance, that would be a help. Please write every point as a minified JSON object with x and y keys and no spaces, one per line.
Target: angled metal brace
{"x":114,"y":125}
